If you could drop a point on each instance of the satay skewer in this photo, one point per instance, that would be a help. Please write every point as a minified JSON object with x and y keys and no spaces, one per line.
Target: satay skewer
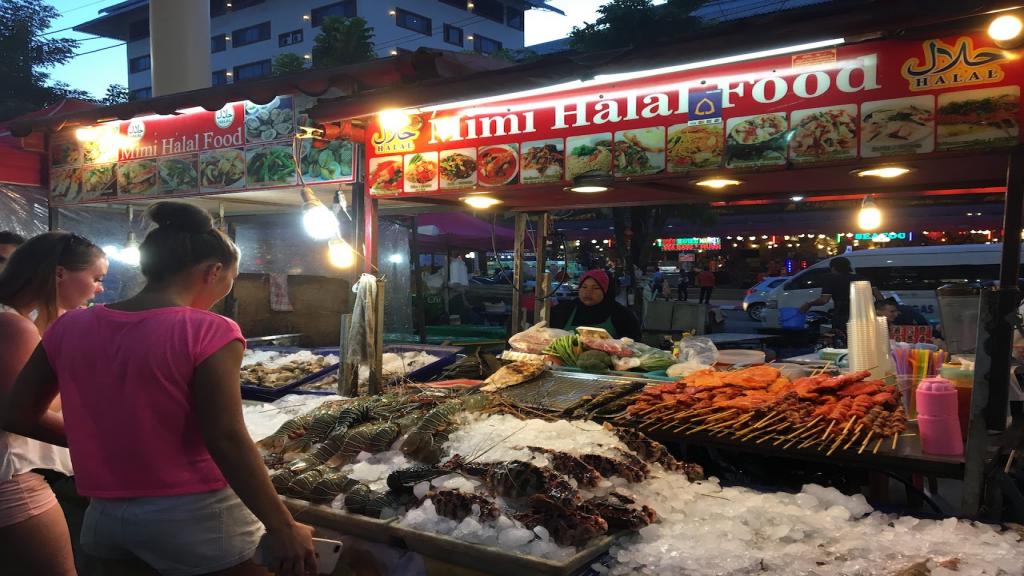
{"x":833,"y":423}
{"x":877,"y":444}
{"x":856,"y":433}
{"x":867,"y":439}
{"x":895,"y":438}
{"x":804,"y":427}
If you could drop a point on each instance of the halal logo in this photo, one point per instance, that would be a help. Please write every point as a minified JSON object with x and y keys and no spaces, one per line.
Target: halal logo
{"x":704,"y":107}
{"x":136,"y":128}
{"x":224,"y":117}
{"x":404,"y":140}
{"x":960,"y":64}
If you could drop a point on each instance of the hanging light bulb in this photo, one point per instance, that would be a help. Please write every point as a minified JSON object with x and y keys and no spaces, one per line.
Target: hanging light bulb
{"x":869,"y":217}
{"x":339,"y":253}
{"x":318,"y":220}
{"x":130,"y":254}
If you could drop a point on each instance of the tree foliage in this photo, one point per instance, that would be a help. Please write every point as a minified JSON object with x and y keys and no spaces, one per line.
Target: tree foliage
{"x":288,"y":62}
{"x":633,"y":23}
{"x":343,"y":41}
{"x":115,"y":94}
{"x":26,"y":56}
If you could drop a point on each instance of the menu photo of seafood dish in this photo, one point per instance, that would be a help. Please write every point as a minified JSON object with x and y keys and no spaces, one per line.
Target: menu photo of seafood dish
{"x":271,"y":165}
{"x":497,"y":165}
{"x":458,"y":168}
{"x":543,"y":161}
{"x":758,"y":140}
{"x":588,"y":153}
{"x":986,"y":118}
{"x":899,"y":126}
{"x":137,"y":178}
{"x":178,"y":174}
{"x":421,"y":172}
{"x":222,"y":170}
{"x":694,"y":147}
{"x":386,"y":175}
{"x":272,"y":121}
{"x":822,"y":134}
{"x":65,"y":184}
{"x":640,"y":151}
{"x":99,"y":181}
{"x":66,"y":152}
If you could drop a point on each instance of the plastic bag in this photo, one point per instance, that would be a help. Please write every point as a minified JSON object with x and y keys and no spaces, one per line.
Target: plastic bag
{"x":625,"y":364}
{"x":621,"y":348}
{"x":684,"y":369}
{"x":699,"y":349}
{"x":536,"y":338}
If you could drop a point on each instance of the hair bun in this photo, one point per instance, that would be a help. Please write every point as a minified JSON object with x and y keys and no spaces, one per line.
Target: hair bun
{"x":180,"y":216}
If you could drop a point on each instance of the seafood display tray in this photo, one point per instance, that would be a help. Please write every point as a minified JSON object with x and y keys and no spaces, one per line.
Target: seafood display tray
{"x":556,"y":390}
{"x":250,"y":392}
{"x":491,"y":560}
{"x":486,"y":559}
{"x":446,"y":357}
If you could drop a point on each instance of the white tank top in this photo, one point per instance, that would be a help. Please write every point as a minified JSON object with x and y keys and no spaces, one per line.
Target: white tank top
{"x":19,"y":454}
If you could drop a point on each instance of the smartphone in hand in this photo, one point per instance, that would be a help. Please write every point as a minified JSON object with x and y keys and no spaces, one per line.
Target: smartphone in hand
{"x":328,"y":552}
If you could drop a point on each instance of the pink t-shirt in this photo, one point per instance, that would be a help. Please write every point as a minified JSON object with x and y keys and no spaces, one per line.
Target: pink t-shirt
{"x":125,"y":382}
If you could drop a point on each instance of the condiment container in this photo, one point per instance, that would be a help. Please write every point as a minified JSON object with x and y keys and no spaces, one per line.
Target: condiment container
{"x":937,"y":418}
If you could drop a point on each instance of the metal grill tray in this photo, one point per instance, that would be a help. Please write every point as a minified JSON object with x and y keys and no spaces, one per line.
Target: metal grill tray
{"x":556,"y":390}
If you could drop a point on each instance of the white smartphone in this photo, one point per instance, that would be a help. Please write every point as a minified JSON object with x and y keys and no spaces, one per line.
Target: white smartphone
{"x":328,"y":552}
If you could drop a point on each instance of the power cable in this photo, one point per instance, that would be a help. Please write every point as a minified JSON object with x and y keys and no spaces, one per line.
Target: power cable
{"x":68,"y":12}
{"x":98,"y":50}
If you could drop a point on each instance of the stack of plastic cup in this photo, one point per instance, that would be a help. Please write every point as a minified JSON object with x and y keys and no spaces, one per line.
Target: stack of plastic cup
{"x":861,"y":331}
{"x":885,"y":363}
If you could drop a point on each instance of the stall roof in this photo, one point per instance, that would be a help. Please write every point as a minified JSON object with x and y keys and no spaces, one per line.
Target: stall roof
{"x":460,"y":230}
{"x":22,"y":159}
{"x":354,"y":79}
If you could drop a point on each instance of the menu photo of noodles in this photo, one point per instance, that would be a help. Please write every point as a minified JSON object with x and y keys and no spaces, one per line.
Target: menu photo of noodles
{"x":421,"y":172}
{"x":758,"y":140}
{"x":458,"y":168}
{"x":823,"y":134}
{"x":587,"y":153}
{"x":543,"y":161}
{"x":694,"y":147}
{"x":898,"y":126}
{"x":985,"y":118}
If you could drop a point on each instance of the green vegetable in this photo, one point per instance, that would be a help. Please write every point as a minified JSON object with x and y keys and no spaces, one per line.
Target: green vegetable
{"x":583,"y":150}
{"x":653,"y":360}
{"x":566,"y":348}
{"x":594,"y":361}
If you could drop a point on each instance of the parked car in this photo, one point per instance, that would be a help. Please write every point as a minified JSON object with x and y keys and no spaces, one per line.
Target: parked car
{"x":756,"y":299}
{"x":912,"y":274}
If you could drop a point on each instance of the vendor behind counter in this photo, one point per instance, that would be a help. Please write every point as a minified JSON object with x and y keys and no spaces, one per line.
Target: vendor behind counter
{"x":596,"y":307}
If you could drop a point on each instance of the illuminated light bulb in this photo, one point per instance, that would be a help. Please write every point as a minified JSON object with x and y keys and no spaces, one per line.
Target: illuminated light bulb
{"x":393,"y":119}
{"x":796,"y":198}
{"x":480,"y":202}
{"x":395,"y":258}
{"x":318,"y":220}
{"x":1004,"y":28}
{"x":340,"y":254}
{"x":884,"y":172}
{"x":718,"y":183}
{"x":446,"y":128}
{"x":869,"y":217}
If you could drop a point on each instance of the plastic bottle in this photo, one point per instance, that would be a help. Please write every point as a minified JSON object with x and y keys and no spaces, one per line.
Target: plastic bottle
{"x":937,"y":418}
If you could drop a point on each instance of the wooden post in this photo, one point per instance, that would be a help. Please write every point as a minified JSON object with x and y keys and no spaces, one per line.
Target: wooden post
{"x":543,"y":278}
{"x":346,"y":371}
{"x":374,"y":386}
{"x":517,"y":273}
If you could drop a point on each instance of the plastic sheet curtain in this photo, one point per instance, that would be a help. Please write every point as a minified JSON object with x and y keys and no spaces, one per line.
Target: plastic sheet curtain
{"x":277,"y":244}
{"x":107,"y":226}
{"x":23,"y":209}
{"x":395,"y":265}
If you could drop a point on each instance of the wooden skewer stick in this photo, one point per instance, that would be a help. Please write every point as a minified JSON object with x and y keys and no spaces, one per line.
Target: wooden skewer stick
{"x":867,"y":439}
{"x":877,"y":444}
{"x":835,"y":446}
{"x":790,"y":443}
{"x":733,"y":422}
{"x":895,"y":437}
{"x":828,"y":430}
{"x":848,"y":424}
{"x":767,"y":432}
{"x":804,"y":427}
{"x":655,"y":407}
{"x":856,"y":433}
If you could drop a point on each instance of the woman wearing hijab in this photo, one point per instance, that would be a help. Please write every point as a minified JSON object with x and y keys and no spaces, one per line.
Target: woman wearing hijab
{"x":594,"y":307}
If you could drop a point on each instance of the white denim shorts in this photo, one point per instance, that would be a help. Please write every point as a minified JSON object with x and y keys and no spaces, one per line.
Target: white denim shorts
{"x":175,"y":535}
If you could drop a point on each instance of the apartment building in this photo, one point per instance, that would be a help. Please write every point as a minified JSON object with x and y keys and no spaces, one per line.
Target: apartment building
{"x":248,"y":34}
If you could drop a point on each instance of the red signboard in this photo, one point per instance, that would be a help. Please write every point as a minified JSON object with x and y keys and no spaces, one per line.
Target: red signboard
{"x":242,"y":146}
{"x":892,"y":98}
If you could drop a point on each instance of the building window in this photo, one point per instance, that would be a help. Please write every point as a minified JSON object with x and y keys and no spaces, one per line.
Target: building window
{"x":289,"y":38}
{"x":138,"y":30}
{"x":218,"y":43}
{"x":237,"y":5}
{"x":141,"y":93}
{"x":251,"y":34}
{"x":453,"y":35}
{"x":345,"y":9}
{"x":460,"y":4}
{"x":220,"y":77}
{"x":138,"y":64}
{"x":485,"y":45}
{"x":414,"y":22}
{"x":490,"y":9}
{"x":252,"y":70}
{"x":514,"y":17}
{"x":218,"y":8}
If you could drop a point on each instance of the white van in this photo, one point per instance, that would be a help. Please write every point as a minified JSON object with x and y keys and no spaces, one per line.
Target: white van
{"x":911,"y":274}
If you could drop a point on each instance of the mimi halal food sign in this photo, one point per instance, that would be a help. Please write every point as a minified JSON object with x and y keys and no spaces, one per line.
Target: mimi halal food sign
{"x":892,"y":99}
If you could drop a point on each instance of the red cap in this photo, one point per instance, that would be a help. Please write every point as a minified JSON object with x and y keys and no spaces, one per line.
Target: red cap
{"x":599,"y":276}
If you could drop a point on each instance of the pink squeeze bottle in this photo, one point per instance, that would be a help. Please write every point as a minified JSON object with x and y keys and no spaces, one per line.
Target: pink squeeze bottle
{"x":937,"y":418}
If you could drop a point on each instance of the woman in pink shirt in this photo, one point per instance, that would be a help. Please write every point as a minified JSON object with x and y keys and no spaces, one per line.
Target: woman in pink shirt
{"x":153,"y":416}
{"x":46,"y":276}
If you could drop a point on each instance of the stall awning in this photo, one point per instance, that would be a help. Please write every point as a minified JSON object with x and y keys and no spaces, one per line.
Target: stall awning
{"x":440,"y":231}
{"x":22,"y":159}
